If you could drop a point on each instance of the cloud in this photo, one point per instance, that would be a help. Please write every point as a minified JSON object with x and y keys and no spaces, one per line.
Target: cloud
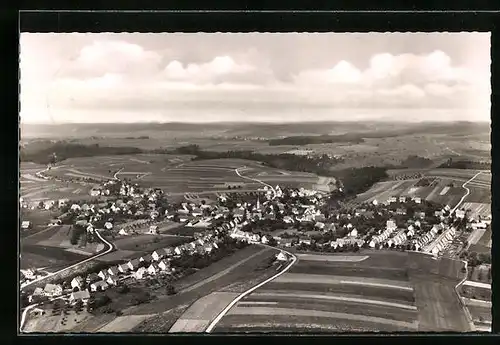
{"x":112,"y":57}
{"x":115,"y":74}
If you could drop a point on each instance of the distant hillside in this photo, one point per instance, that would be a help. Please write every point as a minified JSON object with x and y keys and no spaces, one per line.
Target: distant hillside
{"x":61,"y":151}
{"x":258,"y":129}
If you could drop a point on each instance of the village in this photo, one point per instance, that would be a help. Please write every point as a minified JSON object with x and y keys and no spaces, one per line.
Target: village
{"x":291,"y":218}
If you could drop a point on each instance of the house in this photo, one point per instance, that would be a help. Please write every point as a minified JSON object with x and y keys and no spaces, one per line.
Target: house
{"x":319,"y":225}
{"x":53,"y":290}
{"x":438,"y":213}
{"x":122,"y":232}
{"x":92,"y":277}
{"x":282,"y":256}
{"x":417,"y":200}
{"x":146,"y":258}
{"x":164,"y":265}
{"x":160,"y":253}
{"x":38,"y":292}
{"x":26,"y":224}
{"x":153,"y":230}
{"x":113,"y":271}
{"x":178,"y":250}
{"x":83,"y":296}
{"x":95,"y":192}
{"x":460,"y":214}
{"x":208,"y":247}
{"x":353,"y":233}
{"x":264,"y":239}
{"x":140,"y":273}
{"x":402,"y":199}
{"x":286,"y":242}
{"x":77,"y":282}
{"x":101,"y":285}
{"x":62,"y":202}
{"x":305,"y":241}
{"x":108,"y":226}
{"x":391,"y":225}
{"x":29,"y":273}
{"x":401,"y":211}
{"x":103,"y":274}
{"x":123,"y":268}
{"x":112,"y":280}
{"x":392,"y":199}
{"x":133,"y":264}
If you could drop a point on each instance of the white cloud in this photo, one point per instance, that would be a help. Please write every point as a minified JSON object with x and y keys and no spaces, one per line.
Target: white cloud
{"x":111,"y":56}
{"x":116,"y":74}
{"x":220,"y":66}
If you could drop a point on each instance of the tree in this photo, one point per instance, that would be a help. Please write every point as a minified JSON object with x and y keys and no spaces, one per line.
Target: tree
{"x":170,"y":289}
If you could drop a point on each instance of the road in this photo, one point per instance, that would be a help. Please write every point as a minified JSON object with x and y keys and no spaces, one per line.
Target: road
{"x":467,"y":191}
{"x":255,"y":180}
{"x":115,"y":176}
{"x":109,"y":250}
{"x":464,"y":307}
{"x":214,"y":323}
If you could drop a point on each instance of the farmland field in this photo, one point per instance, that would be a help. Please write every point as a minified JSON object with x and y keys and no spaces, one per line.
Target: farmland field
{"x":391,"y":291}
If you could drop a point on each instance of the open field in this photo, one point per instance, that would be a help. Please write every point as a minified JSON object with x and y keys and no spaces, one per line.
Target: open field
{"x":478,"y":208}
{"x":123,"y":323}
{"x":479,"y":199}
{"x":393,"y":291}
{"x":438,"y":305}
{"x":38,"y":218}
{"x":199,"y":315}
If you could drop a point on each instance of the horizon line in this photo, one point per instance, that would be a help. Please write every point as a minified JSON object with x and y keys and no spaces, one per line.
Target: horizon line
{"x":251,"y":122}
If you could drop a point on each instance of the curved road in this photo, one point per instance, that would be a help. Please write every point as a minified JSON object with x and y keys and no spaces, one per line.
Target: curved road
{"x":109,"y":250}
{"x":214,"y":323}
{"x":467,"y":191}
{"x":255,"y":180}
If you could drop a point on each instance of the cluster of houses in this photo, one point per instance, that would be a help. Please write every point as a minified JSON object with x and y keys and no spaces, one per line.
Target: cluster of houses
{"x":158,"y":262}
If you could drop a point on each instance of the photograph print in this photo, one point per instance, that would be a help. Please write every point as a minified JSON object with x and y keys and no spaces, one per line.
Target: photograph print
{"x":254,"y":182}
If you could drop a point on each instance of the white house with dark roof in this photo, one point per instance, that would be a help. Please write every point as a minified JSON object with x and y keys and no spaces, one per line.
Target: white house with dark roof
{"x":112,"y":280}
{"x":103,"y":274}
{"x":133,"y":264}
{"x":140,"y":273}
{"x":113,"y":271}
{"x":123,"y":268}
{"x":77,"y":282}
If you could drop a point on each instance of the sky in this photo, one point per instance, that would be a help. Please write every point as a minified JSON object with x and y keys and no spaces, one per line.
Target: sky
{"x":276,"y":77}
